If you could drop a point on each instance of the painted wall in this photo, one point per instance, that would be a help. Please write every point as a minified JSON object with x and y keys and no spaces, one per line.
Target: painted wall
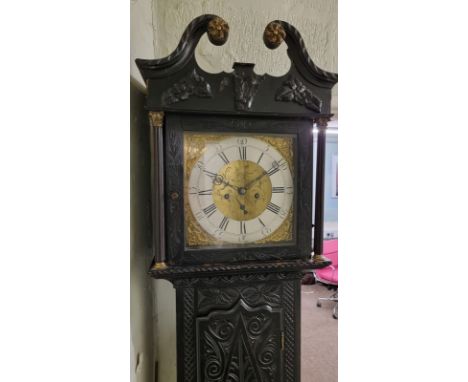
{"x":141,"y":35}
{"x":317,"y":20}
{"x":156,"y":27}
{"x":331,"y":204}
{"x":142,"y":300}
{"x":141,"y":289}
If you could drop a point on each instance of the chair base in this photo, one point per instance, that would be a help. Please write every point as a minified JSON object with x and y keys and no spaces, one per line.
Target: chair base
{"x":334,"y":298}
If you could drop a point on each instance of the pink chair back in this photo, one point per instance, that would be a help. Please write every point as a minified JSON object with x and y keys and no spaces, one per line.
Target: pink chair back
{"x":329,"y":275}
{"x":330,"y":246}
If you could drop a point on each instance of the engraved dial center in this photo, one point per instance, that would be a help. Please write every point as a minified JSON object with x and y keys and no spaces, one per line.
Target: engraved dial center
{"x":244,"y":192}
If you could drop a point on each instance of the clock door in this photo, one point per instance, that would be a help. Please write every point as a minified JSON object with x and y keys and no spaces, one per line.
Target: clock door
{"x":241,"y":344}
{"x":237,"y":195}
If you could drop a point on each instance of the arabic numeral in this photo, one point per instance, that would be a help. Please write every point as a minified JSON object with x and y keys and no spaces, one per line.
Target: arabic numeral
{"x":242,"y":141}
{"x":242,"y":237}
{"x":201,"y":165}
{"x":266,"y":231}
{"x":283,"y":165}
{"x":219,"y":232}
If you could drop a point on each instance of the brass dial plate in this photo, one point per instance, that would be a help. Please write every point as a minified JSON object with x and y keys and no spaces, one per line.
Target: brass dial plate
{"x":238,"y":189}
{"x":245,"y":183}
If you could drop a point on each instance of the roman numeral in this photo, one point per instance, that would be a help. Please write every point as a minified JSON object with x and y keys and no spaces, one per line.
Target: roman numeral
{"x":260,"y":158}
{"x":209,"y":173}
{"x":243,"y":152}
{"x":242,"y":227}
{"x":210,"y":210}
{"x":224,"y":223}
{"x":273,"y":208}
{"x":272,"y":171}
{"x":282,"y":164}
{"x":223,"y":156}
{"x":261,"y":222}
{"x":278,"y":190}
{"x":205,"y":192}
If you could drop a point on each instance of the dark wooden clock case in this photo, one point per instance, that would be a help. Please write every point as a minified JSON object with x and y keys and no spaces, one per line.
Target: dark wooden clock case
{"x":238,"y":310}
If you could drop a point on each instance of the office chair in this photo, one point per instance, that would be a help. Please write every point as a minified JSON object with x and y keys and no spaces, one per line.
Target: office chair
{"x":329,"y":275}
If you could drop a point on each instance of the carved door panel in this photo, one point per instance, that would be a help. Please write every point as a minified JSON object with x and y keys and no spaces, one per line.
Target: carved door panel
{"x":243,"y":344}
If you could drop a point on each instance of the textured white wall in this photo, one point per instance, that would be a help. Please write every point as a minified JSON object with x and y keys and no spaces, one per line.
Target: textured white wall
{"x":316,"y":20}
{"x":141,"y":34}
{"x":166,"y":332}
{"x":143,"y":352}
{"x":156,"y":27}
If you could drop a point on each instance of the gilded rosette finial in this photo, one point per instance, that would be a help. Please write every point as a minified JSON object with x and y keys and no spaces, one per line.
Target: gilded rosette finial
{"x":218,"y":31}
{"x":274,"y":35}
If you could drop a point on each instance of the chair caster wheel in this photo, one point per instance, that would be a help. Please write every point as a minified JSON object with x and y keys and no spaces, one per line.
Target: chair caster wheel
{"x":319,"y":304}
{"x":335,"y":317}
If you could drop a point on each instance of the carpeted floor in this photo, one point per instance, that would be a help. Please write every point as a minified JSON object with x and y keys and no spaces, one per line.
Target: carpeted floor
{"x":319,"y":332}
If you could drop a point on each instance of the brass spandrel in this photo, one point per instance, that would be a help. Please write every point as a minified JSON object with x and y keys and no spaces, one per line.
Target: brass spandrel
{"x":284,"y":233}
{"x":194,"y":148}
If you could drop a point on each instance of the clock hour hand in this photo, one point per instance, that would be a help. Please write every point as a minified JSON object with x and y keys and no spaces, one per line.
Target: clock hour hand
{"x":255,"y":180}
{"x":227,"y":184}
{"x":219,"y":179}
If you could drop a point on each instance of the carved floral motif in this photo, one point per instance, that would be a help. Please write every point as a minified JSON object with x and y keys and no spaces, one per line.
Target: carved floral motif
{"x":254,"y":295}
{"x":238,"y":340}
{"x":193,"y":85}
{"x":242,"y":344}
{"x":294,"y":90}
{"x":246,"y":84}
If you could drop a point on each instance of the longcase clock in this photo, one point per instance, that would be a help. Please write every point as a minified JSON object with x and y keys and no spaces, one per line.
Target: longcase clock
{"x":232,"y":202}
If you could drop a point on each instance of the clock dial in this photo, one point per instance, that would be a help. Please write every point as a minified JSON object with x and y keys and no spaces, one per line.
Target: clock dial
{"x":240,"y":189}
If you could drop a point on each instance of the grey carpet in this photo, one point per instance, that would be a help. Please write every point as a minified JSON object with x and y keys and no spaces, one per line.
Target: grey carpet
{"x":319,"y":333}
